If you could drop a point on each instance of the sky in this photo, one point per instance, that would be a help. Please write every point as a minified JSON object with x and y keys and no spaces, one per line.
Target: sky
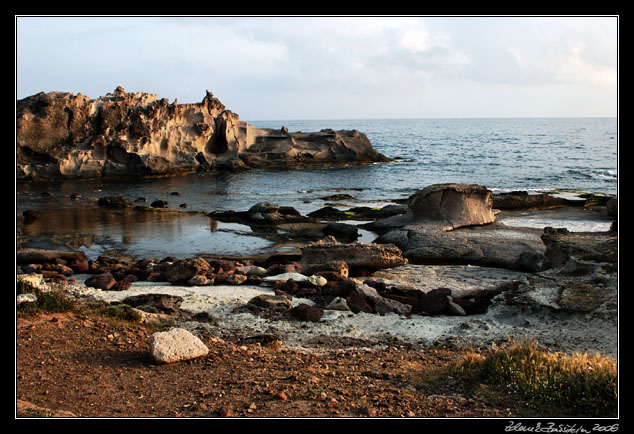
{"x":327,"y":67}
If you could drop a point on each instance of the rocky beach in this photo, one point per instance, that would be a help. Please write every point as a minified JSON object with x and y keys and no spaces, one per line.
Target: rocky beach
{"x":452,"y":268}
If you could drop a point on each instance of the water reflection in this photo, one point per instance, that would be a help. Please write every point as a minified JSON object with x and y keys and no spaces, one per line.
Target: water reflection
{"x":140,"y":233}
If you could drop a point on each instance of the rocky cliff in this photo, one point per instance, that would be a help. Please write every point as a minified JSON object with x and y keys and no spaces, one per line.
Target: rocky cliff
{"x":60,"y":135}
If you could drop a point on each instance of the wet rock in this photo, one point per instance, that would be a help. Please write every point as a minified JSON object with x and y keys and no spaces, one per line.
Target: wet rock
{"x":523,"y":200}
{"x":159,"y":204}
{"x":30,"y":215}
{"x":612,"y":207}
{"x":113,"y":202}
{"x":342,"y":231}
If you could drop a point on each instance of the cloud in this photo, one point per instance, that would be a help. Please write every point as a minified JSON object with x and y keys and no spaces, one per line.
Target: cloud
{"x":263,"y":67}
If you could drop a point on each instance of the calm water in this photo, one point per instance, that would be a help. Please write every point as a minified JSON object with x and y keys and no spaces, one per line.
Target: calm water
{"x":503,"y":154}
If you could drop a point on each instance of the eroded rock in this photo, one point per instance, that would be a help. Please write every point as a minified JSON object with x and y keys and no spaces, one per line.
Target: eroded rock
{"x":355,"y":255}
{"x":61,"y":135}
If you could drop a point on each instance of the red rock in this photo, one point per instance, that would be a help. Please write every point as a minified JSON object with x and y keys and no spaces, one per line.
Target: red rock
{"x":79,"y":267}
{"x":104,"y":281}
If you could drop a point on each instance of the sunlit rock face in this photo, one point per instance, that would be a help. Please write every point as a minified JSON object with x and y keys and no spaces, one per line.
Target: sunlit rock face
{"x":61,"y":135}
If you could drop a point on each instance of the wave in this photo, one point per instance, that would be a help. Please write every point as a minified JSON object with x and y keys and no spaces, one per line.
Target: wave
{"x":602,"y":174}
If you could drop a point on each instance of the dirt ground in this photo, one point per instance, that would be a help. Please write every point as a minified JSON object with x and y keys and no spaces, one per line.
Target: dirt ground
{"x":76,"y":365}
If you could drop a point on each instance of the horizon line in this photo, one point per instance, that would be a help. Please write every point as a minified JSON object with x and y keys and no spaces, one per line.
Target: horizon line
{"x":432,"y":118}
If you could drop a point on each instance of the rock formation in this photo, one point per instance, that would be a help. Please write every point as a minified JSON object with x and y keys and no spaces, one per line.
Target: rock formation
{"x":60,"y":135}
{"x":455,"y":224}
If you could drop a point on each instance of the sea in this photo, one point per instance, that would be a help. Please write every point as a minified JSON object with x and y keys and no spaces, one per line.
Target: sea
{"x":503,"y":154}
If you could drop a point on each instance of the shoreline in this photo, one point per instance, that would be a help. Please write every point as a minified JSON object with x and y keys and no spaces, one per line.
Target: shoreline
{"x":264,"y":361}
{"x":141,"y":230}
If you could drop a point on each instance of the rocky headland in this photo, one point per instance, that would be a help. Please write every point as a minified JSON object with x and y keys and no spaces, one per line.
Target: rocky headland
{"x":60,"y":135}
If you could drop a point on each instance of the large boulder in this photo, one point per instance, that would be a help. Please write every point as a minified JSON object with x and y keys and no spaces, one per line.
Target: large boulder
{"x":453,"y":205}
{"x":449,"y":206}
{"x":455,"y":224}
{"x":61,"y":135}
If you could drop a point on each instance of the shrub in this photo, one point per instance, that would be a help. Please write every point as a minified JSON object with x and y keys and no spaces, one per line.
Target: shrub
{"x":579,"y":384}
{"x":47,"y":301}
{"x":122,"y":312}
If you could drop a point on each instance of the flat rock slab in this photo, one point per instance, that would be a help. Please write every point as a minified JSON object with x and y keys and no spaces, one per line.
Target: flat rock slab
{"x":462,"y":280}
{"x":176,"y":345}
{"x":39,"y":256}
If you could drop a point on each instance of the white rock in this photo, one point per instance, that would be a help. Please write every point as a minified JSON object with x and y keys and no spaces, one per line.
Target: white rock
{"x":297,"y":277}
{"x":34,"y":279}
{"x":252,"y":270}
{"x":23,"y":298}
{"x":175,"y":345}
{"x":317,"y":280}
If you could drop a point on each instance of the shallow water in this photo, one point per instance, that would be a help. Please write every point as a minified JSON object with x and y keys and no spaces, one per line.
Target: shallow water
{"x":503,"y":154}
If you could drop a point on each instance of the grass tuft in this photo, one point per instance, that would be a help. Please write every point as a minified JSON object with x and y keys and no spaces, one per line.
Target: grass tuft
{"x":577,"y":385}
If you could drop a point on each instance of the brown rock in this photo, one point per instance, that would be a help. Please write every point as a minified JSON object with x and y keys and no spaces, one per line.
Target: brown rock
{"x":40,"y":256}
{"x":288,"y":286}
{"x":184,"y":269}
{"x":103,"y":281}
{"x":236,"y":279}
{"x":358,"y":303}
{"x":365,"y":255}
{"x":275,"y":302}
{"x":305,"y":312}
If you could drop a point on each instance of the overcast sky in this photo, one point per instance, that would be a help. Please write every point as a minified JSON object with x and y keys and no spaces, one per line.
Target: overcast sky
{"x":278,"y":68}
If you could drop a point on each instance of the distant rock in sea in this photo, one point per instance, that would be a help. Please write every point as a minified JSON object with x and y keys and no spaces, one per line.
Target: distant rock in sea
{"x":64,"y":136}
